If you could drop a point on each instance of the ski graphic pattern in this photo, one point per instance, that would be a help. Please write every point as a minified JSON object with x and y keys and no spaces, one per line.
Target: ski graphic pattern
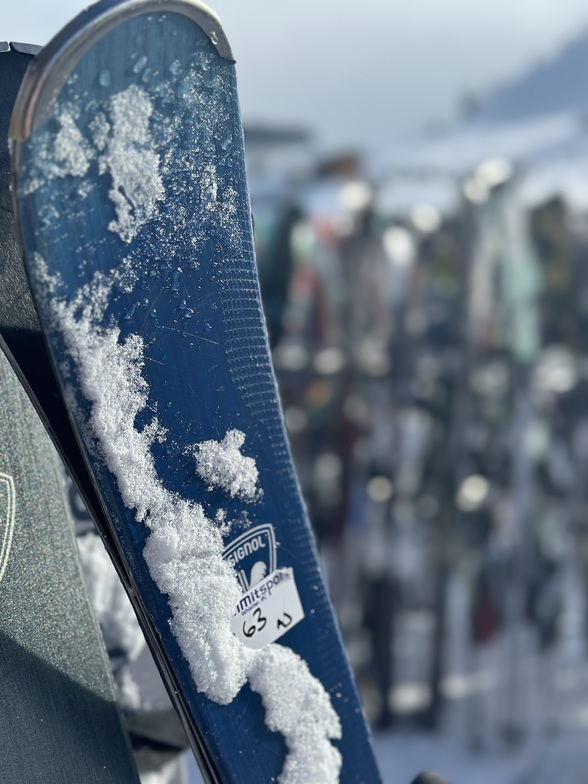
{"x":7,"y":518}
{"x":135,"y":223}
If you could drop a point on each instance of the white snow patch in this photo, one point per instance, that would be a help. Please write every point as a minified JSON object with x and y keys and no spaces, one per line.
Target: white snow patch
{"x":184,"y":549}
{"x":68,"y":155}
{"x":209,"y":185}
{"x":127,"y":690}
{"x":131,"y":160}
{"x":221,"y":464}
{"x":100,"y":129}
{"x":126,"y":151}
{"x":71,"y":149}
{"x":296,"y":705}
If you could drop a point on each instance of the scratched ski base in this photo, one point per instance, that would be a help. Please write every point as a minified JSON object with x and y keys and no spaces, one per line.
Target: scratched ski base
{"x":135,"y":225}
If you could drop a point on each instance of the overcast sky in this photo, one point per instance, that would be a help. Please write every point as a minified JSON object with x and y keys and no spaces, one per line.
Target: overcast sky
{"x":361,"y":73}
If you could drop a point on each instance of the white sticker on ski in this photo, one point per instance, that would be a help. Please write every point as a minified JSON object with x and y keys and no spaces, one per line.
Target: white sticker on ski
{"x":268,"y":610}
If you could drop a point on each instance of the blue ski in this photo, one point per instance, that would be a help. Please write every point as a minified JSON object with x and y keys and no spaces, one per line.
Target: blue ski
{"x":134,"y":221}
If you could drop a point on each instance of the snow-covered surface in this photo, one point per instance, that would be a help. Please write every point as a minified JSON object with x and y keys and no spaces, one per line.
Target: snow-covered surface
{"x":173,"y":772}
{"x":122,"y":143}
{"x":549,"y":155}
{"x":109,"y":600}
{"x":296,"y":708}
{"x":133,"y":163}
{"x":184,"y":548}
{"x":64,"y":155}
{"x":402,"y":193}
{"x":403,"y":755}
{"x":563,"y":171}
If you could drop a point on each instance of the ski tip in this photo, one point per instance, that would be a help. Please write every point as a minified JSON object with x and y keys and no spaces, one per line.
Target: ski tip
{"x":55,"y":61}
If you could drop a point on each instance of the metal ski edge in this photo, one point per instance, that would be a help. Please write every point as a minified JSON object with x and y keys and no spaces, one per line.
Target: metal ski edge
{"x":202,"y":754}
{"x":31,"y":49}
{"x":8,"y":46}
{"x":52,"y":66}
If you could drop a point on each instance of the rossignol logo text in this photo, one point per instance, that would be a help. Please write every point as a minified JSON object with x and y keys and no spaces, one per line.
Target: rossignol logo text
{"x":253,"y":555}
{"x":247,"y":548}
